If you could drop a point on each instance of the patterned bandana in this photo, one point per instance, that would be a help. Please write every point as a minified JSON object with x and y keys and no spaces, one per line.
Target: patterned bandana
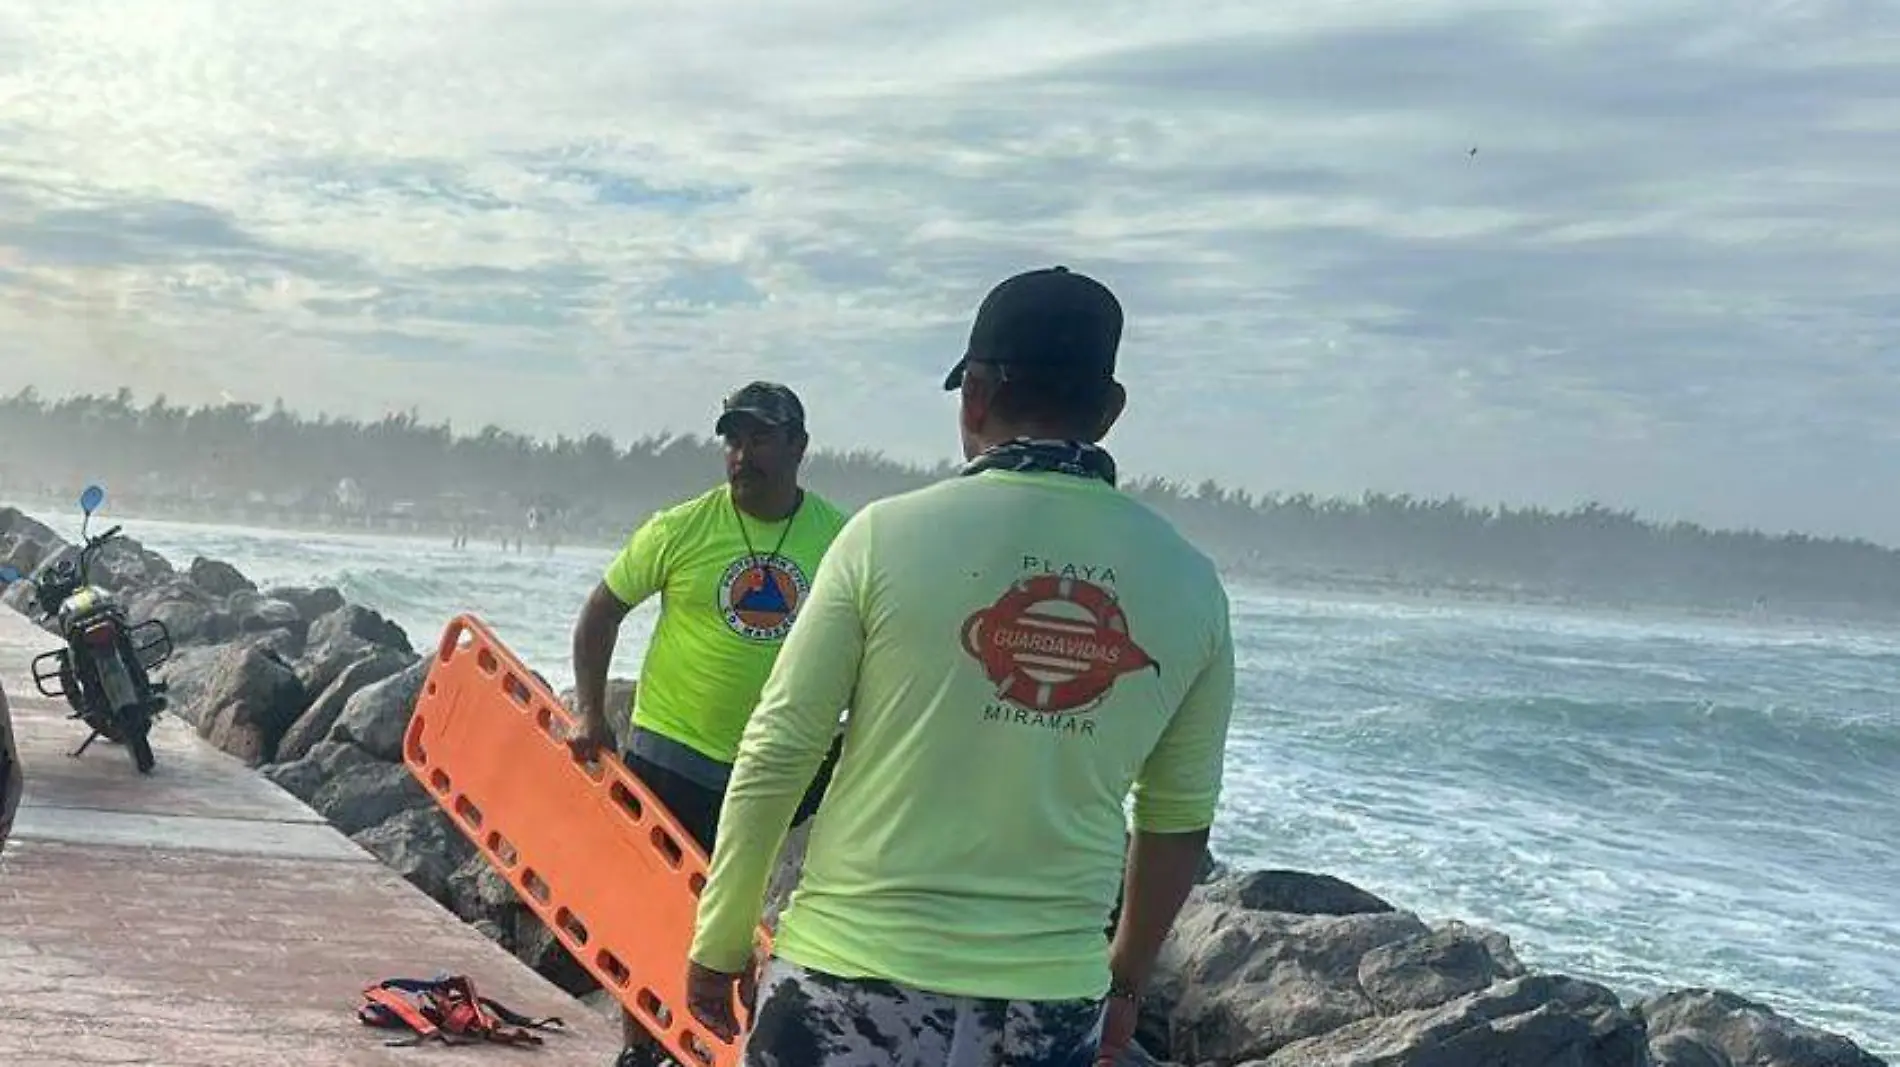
{"x":1079,"y":458}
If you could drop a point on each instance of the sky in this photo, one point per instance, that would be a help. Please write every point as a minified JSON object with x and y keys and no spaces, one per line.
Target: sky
{"x":1667,"y":279}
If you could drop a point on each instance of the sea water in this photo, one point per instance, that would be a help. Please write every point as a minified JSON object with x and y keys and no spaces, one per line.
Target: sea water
{"x":1647,"y":801}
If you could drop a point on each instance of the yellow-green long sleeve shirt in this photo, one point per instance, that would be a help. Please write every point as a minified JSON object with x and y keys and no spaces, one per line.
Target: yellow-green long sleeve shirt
{"x":1020,"y":653}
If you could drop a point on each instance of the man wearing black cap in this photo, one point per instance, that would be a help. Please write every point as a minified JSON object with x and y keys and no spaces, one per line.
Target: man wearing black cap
{"x":733,"y":568}
{"x":1023,"y":648}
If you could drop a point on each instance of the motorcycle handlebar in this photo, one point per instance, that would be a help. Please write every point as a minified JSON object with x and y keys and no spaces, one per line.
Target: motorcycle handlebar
{"x":92,"y":546}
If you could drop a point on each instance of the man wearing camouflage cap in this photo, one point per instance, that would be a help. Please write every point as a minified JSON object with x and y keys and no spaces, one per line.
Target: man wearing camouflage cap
{"x":733,"y":566}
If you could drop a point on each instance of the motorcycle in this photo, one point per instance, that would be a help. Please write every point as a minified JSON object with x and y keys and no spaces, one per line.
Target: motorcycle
{"x":104,"y":670}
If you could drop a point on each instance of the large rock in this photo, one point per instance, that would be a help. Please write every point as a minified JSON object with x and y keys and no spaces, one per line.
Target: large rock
{"x":281,"y":645}
{"x":188,"y":679}
{"x":189,"y":614}
{"x":1292,"y":893}
{"x":1533,"y":1021}
{"x":321,"y":716}
{"x":1234,"y":982}
{"x":422,"y":846}
{"x":326,"y":657}
{"x":251,"y":698}
{"x":303,"y":778}
{"x":344,"y":636}
{"x":189,"y":622}
{"x":123,"y":565}
{"x":25,"y":545}
{"x":218,"y":578}
{"x":18,"y":595}
{"x":17,"y":523}
{"x":256,"y":614}
{"x":368,"y":794}
{"x":1282,"y":892}
{"x":1452,"y":961}
{"x":311,"y":604}
{"x":478,"y":893}
{"x":378,"y":715}
{"x":360,"y":622}
{"x":25,"y":542}
{"x":1686,"y":1050}
{"x":1245,"y":983}
{"x":1694,"y":1027}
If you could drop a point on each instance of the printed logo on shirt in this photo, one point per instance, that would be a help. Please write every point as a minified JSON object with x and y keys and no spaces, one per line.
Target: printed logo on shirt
{"x":760,"y":596}
{"x":1053,"y":645}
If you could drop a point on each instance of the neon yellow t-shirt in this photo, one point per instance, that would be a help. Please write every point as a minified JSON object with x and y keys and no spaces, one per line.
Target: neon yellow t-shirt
{"x":1021,"y":653}
{"x":721,"y":621}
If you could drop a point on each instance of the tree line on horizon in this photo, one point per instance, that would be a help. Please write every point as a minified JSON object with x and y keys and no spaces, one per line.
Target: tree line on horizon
{"x":167,"y":452}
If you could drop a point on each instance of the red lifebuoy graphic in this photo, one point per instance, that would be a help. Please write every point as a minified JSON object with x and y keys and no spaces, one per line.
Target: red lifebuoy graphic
{"x":1053,"y":643}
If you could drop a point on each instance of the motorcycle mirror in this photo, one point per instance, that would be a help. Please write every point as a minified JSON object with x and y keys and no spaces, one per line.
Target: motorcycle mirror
{"x":91,"y":499}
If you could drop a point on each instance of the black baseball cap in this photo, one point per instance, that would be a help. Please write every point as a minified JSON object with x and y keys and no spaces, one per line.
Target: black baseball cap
{"x":1050,"y":325}
{"x":768,"y":402}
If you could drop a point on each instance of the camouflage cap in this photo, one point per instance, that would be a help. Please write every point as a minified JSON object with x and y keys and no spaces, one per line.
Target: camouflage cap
{"x":768,"y":402}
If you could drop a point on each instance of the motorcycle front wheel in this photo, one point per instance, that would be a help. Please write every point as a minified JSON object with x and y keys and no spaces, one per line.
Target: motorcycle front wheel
{"x":138,"y":742}
{"x":142,"y":756}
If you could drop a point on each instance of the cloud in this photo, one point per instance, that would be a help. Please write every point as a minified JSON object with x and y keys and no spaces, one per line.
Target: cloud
{"x":1664,"y":279}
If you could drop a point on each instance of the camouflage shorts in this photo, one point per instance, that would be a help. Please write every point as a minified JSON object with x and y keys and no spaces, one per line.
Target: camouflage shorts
{"x":808,"y":1019}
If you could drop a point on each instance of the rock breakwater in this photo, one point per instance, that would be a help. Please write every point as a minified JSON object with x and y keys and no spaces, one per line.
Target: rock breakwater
{"x":1263,"y":968}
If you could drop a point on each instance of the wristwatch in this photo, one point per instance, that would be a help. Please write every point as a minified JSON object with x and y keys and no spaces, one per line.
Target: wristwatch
{"x":1120,"y":990}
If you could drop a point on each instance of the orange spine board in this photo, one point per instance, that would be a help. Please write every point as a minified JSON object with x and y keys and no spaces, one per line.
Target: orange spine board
{"x":587,"y":848}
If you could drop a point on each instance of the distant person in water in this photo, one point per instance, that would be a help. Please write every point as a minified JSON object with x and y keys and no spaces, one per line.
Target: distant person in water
{"x":1024,"y":647}
{"x":732,"y":567}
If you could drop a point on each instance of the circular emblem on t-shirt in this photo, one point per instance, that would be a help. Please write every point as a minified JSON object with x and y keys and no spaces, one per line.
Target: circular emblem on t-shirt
{"x":1054,"y":644}
{"x":760,"y":596}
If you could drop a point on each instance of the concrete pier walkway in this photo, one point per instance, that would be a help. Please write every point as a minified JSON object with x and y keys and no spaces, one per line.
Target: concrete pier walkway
{"x":202,"y":916}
